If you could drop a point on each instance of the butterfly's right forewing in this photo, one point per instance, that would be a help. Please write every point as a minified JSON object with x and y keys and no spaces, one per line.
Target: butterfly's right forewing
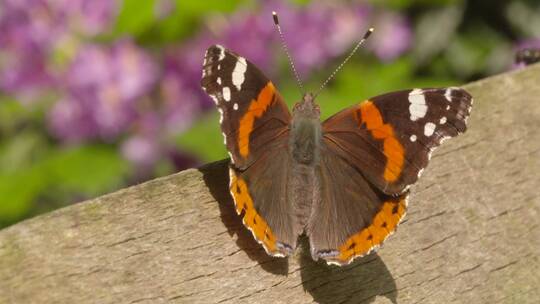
{"x":253,"y":113}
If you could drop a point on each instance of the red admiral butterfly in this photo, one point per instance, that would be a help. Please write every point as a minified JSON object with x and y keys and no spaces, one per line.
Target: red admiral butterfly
{"x":343,"y":182}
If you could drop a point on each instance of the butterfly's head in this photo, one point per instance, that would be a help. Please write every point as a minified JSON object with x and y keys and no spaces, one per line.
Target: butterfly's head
{"x":307,"y":107}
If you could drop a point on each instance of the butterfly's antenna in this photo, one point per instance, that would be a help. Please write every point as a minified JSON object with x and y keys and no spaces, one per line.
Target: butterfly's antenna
{"x":366,"y":35}
{"x":284,"y":45}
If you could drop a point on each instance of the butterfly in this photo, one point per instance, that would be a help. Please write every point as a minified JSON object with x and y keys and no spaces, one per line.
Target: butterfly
{"x":344,"y":183}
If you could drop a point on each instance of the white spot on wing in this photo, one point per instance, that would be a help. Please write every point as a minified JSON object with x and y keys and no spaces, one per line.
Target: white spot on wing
{"x":413,"y":138}
{"x":448,"y":94}
{"x":443,"y":139}
{"x":220,"y":115}
{"x":231,"y":177}
{"x":238,"y":75}
{"x":429,"y":128}
{"x":226,"y":93}
{"x":205,"y":61}
{"x":235,"y":106}
{"x":224,"y":138}
{"x":447,"y":107}
{"x":218,"y":80}
{"x":420,"y":172}
{"x":443,"y":120}
{"x":418,"y":107}
{"x":214,"y":98}
{"x":221,"y":52}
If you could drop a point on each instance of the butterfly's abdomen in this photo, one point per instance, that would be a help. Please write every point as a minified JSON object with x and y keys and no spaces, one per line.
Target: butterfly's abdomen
{"x":304,"y":147}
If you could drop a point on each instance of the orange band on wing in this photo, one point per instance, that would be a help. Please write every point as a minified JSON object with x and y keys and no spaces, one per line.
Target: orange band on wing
{"x":384,"y":223}
{"x":256,"y":109}
{"x":252,"y":220}
{"x":393,"y":150}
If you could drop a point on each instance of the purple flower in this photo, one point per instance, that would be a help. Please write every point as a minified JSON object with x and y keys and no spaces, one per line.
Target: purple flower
{"x":31,"y":31}
{"x":141,"y":150}
{"x":392,"y":37}
{"x":105,"y":84}
{"x":320,"y":32}
{"x":69,"y":119}
{"x":182,"y":71}
{"x":24,"y":76}
{"x":89,"y":17}
{"x":181,"y":102}
{"x":252,"y":36}
{"x":348,"y":27}
{"x":150,"y":144}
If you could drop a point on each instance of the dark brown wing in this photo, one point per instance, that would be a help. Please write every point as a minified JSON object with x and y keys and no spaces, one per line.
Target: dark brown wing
{"x":390,"y":138}
{"x":351,"y":218}
{"x":255,"y":125}
{"x":260,"y":195}
{"x":252,"y":111}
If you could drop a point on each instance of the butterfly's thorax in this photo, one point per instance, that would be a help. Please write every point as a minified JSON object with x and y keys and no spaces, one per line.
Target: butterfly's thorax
{"x":304,"y":149}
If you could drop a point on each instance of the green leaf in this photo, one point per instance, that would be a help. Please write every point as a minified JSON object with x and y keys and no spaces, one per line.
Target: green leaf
{"x":204,"y":139}
{"x":197,"y":8}
{"x":135,"y":16}
{"x":87,"y":170}
{"x":55,"y":177}
{"x":17,"y":191}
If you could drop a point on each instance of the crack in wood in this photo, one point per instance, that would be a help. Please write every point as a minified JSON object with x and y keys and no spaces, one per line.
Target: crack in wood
{"x":469,"y":269}
{"x":503,"y":266}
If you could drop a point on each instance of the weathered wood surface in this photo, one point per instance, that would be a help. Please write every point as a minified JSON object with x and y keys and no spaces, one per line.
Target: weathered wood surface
{"x":471,"y":234}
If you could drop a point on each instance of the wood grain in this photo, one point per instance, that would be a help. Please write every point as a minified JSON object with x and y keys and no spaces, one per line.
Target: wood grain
{"x":471,"y":234}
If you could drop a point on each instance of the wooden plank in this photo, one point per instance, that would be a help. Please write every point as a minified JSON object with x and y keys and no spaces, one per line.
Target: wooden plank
{"x":471,"y":234}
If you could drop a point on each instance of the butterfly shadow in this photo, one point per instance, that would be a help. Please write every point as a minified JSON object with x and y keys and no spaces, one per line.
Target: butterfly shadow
{"x":360,"y":282}
{"x":216,"y":178}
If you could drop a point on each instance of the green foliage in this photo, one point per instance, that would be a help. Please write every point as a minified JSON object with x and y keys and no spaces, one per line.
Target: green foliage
{"x":135,"y":16}
{"x":34,"y":173}
{"x":403,"y":4}
{"x":141,"y":19}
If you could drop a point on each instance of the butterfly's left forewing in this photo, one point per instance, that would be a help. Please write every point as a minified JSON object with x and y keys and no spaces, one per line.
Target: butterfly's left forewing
{"x":390,"y":138}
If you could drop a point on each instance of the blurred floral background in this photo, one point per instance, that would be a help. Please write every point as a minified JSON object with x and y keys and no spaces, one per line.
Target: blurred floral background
{"x":97,"y":95}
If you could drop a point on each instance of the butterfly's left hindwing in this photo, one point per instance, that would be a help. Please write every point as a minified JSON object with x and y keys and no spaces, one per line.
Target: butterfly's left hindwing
{"x":252,"y":111}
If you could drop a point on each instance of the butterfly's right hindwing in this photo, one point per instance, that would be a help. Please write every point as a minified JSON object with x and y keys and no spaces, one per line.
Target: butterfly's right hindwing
{"x":255,"y":125}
